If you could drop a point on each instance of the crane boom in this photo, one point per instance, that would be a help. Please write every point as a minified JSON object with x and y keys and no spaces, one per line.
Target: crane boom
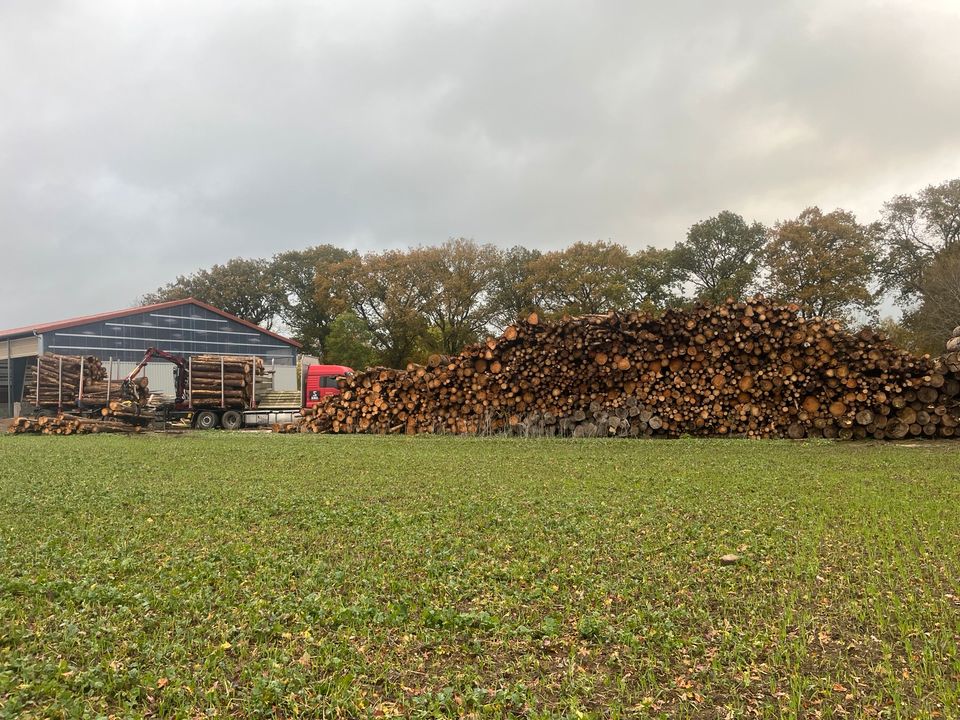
{"x":181,"y":364}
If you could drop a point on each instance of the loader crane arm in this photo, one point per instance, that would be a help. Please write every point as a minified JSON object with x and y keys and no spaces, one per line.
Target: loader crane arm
{"x":182,"y":370}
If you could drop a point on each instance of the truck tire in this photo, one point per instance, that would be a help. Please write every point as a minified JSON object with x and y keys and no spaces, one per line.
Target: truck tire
{"x":206,"y":420}
{"x":231,"y":420}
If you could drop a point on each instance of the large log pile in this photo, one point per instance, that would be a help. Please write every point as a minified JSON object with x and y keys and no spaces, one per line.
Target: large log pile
{"x":230,"y":381}
{"x":749,"y":369}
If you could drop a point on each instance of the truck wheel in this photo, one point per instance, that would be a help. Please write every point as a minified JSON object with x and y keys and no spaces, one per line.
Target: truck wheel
{"x":231,"y":420}
{"x":206,"y":420}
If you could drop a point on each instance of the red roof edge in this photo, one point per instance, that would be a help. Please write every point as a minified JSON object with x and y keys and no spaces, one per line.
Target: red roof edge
{"x":50,"y":327}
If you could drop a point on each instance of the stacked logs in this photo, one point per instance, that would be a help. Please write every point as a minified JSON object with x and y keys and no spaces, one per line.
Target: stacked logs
{"x":66,"y":425}
{"x":951,"y":360}
{"x":750,"y":369}
{"x":227,"y":380}
{"x":128,"y":411}
{"x":101,"y":393}
{"x":54,"y":381}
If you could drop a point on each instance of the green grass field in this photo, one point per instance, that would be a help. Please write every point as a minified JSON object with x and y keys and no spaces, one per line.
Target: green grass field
{"x":261,"y":575}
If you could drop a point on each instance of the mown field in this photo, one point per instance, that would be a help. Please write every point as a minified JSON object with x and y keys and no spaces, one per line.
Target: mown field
{"x":260,"y":575}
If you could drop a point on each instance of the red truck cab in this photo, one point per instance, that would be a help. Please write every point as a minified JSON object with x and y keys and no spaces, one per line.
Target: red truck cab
{"x":321,"y":382}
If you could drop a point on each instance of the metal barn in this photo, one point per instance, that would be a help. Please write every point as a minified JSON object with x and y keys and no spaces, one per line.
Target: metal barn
{"x":183,"y":327}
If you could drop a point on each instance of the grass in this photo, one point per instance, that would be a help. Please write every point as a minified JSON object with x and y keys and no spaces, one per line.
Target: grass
{"x":261,"y":575}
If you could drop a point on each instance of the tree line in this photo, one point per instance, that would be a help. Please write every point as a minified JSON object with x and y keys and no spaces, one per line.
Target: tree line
{"x":395,"y":306}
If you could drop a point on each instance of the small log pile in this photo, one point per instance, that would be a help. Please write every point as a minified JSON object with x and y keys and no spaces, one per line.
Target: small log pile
{"x":128,"y":411}
{"x":951,"y":359}
{"x":233,"y":381}
{"x":54,"y":381}
{"x":66,"y":425}
{"x":751,"y":369}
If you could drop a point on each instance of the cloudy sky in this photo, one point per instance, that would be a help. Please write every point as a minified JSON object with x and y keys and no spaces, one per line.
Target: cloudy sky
{"x":141,"y":140}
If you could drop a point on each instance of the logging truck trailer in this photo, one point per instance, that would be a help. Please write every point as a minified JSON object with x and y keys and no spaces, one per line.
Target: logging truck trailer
{"x":246,"y":402}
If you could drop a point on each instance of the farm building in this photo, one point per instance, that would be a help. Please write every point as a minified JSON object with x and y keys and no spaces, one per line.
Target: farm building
{"x":182,"y":327}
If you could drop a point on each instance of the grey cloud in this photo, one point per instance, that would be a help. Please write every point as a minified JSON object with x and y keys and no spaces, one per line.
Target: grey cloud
{"x":143,"y":140}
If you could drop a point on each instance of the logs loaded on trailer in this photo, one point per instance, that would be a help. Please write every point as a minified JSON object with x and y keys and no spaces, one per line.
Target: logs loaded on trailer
{"x":752,"y":369}
{"x":225,"y":381}
{"x":56,"y":381}
{"x":71,"y":381}
{"x":205,"y":383}
{"x":234,"y":381}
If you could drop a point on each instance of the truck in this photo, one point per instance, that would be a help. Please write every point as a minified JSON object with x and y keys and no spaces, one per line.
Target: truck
{"x":320,"y":382}
{"x":235,"y":410}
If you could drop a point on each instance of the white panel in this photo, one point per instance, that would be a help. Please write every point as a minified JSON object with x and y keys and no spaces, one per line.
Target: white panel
{"x":160,"y":374}
{"x":285,"y":378}
{"x":21,"y":347}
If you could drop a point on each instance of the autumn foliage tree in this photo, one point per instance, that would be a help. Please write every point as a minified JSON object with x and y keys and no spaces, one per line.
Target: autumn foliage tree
{"x":584,"y":278}
{"x":388,"y":291}
{"x":395,"y":306}
{"x":916,"y":229}
{"x":937,"y":311}
{"x":826,"y":262}
{"x":302,"y":309}
{"x":241,"y":287}
{"x":349,"y":342}
{"x":601,"y":276}
{"x":457,"y":279}
{"x":514,"y":292}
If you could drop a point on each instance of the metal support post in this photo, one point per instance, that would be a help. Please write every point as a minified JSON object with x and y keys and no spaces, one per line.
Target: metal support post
{"x":253,"y":374}
{"x":9,"y":380}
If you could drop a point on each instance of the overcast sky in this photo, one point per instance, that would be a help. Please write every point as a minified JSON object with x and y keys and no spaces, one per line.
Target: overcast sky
{"x":142,"y":140}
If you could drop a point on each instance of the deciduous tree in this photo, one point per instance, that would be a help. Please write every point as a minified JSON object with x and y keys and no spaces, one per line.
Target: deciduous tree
{"x":307,"y":313}
{"x":388,"y":291}
{"x":349,"y":342}
{"x":459,"y":274}
{"x":513,"y":290}
{"x":242,"y":287}
{"x":720,"y":257}
{"x":938,"y":292}
{"x":825,"y":262}
{"x":584,"y":278}
{"x":654,"y":279}
{"x":916,"y":228}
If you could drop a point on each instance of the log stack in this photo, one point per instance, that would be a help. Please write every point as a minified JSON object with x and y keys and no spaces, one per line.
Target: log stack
{"x":753,"y":369}
{"x":54,"y":381}
{"x":101,"y":393}
{"x":951,"y":359}
{"x":66,"y":425}
{"x":131,"y":412}
{"x":230,"y":381}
